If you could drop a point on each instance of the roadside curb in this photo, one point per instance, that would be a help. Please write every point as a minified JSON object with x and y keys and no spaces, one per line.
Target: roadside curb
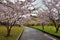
{"x":20,"y":35}
{"x":47,"y":33}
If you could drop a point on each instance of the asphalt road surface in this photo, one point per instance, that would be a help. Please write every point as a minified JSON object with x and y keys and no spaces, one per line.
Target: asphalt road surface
{"x":33,"y":34}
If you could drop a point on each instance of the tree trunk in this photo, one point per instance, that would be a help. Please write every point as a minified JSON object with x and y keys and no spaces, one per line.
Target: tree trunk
{"x":57,"y":28}
{"x":43,"y":26}
{"x":53,"y":21}
{"x":19,"y":25}
{"x":8,"y":30}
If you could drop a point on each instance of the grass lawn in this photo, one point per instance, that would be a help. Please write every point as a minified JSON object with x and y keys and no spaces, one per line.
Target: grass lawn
{"x":14,"y":33}
{"x":49,"y":29}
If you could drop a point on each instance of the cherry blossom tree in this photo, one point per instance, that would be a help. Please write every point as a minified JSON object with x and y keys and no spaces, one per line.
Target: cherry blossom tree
{"x":11,"y":12}
{"x":53,"y":11}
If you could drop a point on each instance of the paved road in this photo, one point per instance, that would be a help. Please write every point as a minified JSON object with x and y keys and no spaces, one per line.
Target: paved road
{"x":33,"y":34}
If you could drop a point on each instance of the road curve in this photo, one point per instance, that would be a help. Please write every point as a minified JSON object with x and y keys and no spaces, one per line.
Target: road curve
{"x":33,"y":34}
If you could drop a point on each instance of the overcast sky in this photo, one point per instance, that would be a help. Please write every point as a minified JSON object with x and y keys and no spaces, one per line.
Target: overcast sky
{"x":38,"y":2}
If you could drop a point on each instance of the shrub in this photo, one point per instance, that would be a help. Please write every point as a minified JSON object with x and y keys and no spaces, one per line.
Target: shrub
{"x":27,"y":24}
{"x":37,"y":24}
